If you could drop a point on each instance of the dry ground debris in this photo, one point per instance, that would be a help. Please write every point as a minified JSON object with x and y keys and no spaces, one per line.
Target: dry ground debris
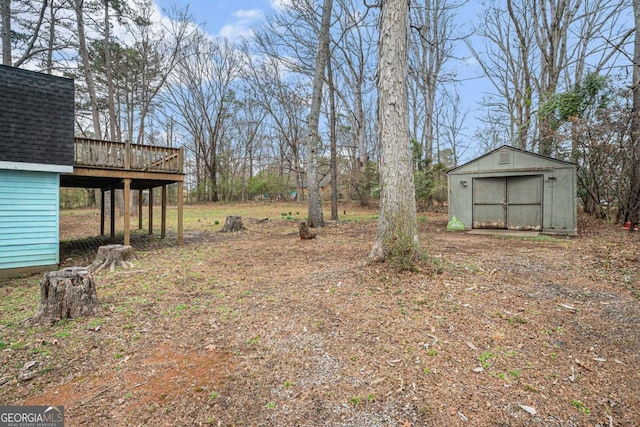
{"x":260,"y":328}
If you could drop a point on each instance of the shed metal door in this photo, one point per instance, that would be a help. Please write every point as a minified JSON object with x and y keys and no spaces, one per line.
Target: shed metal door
{"x":513,"y":202}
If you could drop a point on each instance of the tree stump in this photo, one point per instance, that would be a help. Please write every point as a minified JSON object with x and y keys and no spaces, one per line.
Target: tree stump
{"x":233,"y":223}
{"x":305,"y":233}
{"x":68,"y":293}
{"x":112,"y":256}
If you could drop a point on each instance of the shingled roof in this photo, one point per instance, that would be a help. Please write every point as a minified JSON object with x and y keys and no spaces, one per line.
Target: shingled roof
{"x":36,"y":118}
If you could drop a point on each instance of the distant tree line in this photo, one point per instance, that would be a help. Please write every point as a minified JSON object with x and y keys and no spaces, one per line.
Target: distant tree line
{"x":562,"y":75}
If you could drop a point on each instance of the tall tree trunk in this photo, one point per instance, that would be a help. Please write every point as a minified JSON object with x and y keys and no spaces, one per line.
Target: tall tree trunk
{"x":86,"y":65}
{"x":397,"y":238}
{"x":313,"y":144}
{"x":5,"y":11}
{"x":52,"y":37}
{"x":108,"y":69}
{"x":333,"y":136}
{"x":634,"y":196}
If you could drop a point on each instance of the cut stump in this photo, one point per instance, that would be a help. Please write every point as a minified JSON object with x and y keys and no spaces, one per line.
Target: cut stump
{"x":68,"y":293}
{"x":305,"y":233}
{"x":111,"y":257}
{"x":233,"y":223}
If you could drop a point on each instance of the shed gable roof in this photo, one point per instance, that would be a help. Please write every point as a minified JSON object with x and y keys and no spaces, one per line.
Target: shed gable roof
{"x":509,"y":158}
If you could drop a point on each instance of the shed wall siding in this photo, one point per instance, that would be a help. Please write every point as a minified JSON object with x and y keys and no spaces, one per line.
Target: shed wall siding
{"x":558,"y":201}
{"x":29,"y":219}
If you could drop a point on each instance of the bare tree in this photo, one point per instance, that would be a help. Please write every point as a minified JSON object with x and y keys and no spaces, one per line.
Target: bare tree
{"x":201,"y":99}
{"x":535,"y":48}
{"x":634,"y":196}
{"x":553,"y":20}
{"x":314,"y":141}
{"x":78,"y":8}
{"x":397,"y":237}
{"x":506,"y":61}
{"x":352,"y":51}
{"x":5,"y":11}
{"x":29,"y":30}
{"x":431,"y":48}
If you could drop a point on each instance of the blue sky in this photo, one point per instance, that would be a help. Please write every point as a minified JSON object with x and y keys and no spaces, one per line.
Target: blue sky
{"x":226,"y":18}
{"x":235,"y":18}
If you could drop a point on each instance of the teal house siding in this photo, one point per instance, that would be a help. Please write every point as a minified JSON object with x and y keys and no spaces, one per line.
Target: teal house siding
{"x":29,"y":218}
{"x":36,"y":147}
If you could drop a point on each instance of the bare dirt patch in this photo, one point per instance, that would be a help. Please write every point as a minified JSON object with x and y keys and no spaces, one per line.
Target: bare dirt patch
{"x":262,"y":328}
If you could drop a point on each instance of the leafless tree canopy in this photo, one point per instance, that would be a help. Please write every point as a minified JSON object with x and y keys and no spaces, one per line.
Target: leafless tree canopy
{"x":256,"y":125}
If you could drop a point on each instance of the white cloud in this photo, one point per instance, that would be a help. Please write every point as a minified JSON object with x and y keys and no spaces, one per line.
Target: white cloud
{"x":280,"y":4}
{"x":242,"y":25}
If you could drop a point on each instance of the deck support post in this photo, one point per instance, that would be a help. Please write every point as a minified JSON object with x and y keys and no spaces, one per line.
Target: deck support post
{"x":113,"y":213}
{"x":180,"y":213}
{"x":140,"y":209}
{"x":163,"y":232}
{"x":127,"y":211}
{"x":150,"y":210}
{"x":102,"y":211}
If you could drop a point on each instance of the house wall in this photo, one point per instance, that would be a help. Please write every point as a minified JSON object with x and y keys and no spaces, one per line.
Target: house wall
{"x":29,"y":218}
{"x":36,"y":146}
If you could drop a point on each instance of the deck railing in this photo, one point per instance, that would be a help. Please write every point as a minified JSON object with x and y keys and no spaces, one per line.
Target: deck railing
{"x":123,"y":155}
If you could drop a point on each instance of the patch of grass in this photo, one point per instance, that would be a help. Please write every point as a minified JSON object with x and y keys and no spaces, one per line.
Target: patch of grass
{"x":427,"y":371}
{"x":227,"y":313}
{"x":270,"y":405}
{"x":517,"y":320}
{"x":432,"y":352}
{"x":355,"y":400}
{"x":370,"y":397}
{"x":214,"y":395}
{"x":484,"y":359}
{"x":18,"y":345}
{"x":515,"y":373}
{"x":95,"y":322}
{"x":253,"y":341}
{"x":289,"y":384}
{"x":580,"y":407}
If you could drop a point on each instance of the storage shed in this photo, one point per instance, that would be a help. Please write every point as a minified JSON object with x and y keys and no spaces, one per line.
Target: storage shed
{"x":36,"y":146}
{"x":513,"y":189}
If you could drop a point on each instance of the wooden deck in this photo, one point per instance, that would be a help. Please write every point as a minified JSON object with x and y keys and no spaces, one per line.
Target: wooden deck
{"x":110,"y":165}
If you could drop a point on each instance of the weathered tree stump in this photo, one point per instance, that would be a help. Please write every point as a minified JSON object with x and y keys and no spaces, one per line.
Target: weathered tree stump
{"x":233,"y":223}
{"x":111,"y":257}
{"x":67,"y":293}
{"x":305,"y":233}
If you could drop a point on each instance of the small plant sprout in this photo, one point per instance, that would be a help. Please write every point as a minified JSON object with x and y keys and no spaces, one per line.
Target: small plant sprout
{"x":370,"y":398}
{"x":484,"y":359}
{"x":213,"y":395}
{"x":355,"y":400}
{"x":271,"y":405}
{"x":581,"y":407}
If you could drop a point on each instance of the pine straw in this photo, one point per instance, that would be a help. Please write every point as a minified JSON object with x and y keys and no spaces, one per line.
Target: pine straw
{"x":262,"y":328}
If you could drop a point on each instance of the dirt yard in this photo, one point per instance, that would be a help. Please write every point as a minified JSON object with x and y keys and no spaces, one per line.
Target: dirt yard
{"x":260,"y":328}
